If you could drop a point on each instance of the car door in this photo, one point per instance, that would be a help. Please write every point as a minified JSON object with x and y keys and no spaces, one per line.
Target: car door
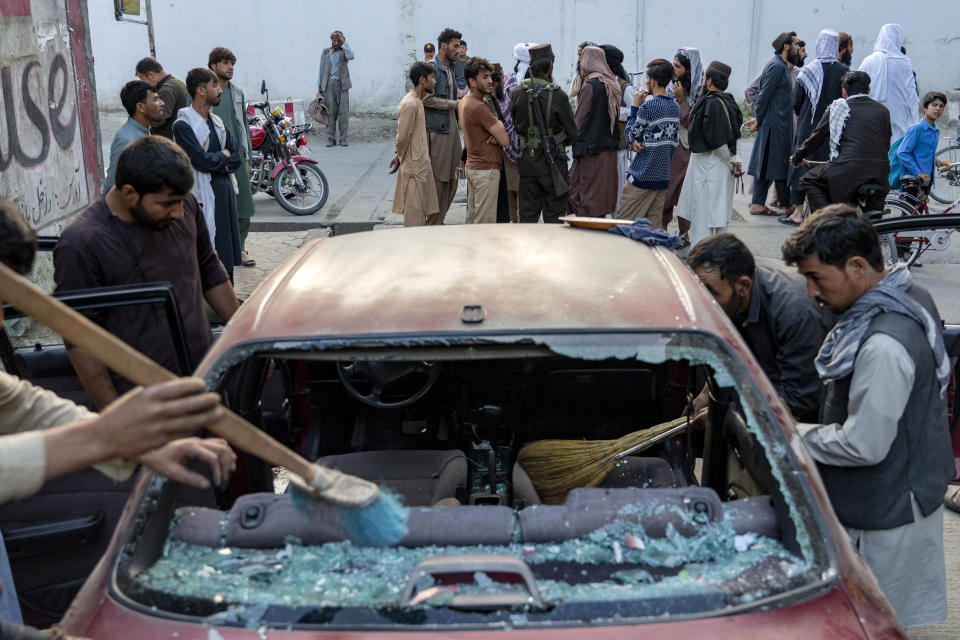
{"x":55,"y":538}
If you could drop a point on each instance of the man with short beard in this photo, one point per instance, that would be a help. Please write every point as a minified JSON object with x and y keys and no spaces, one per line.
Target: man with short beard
{"x":215,"y":157}
{"x":484,"y":136}
{"x":773,"y":120}
{"x":233,"y":111}
{"x":441,"y":121}
{"x":147,"y":228}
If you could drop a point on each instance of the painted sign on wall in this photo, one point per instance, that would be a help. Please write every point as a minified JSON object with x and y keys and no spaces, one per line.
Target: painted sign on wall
{"x":48,"y":151}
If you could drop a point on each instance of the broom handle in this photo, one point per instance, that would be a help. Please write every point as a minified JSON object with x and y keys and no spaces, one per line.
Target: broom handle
{"x":681,"y":424}
{"x":136,"y":367}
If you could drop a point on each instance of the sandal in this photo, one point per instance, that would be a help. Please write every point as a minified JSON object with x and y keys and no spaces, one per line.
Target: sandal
{"x":766,"y":211}
{"x":951,"y":500}
{"x":246,"y":260}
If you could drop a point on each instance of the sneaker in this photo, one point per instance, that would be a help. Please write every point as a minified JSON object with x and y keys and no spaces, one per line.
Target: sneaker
{"x":331,"y":143}
{"x":343,"y":143}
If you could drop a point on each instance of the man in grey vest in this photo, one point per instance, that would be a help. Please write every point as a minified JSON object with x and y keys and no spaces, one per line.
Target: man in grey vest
{"x":333,"y":82}
{"x":440,"y":113}
{"x":883,"y":445}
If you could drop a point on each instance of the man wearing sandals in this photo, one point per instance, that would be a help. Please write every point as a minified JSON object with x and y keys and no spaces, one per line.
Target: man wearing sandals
{"x":882,"y":445}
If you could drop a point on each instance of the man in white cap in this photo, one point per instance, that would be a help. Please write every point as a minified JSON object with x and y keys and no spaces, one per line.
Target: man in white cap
{"x":892,"y":81}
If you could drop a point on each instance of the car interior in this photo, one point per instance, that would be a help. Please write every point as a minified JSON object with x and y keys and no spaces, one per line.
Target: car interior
{"x":444,"y":434}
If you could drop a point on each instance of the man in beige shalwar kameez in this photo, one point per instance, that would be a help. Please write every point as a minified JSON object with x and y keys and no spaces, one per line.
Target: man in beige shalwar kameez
{"x":416,"y":194}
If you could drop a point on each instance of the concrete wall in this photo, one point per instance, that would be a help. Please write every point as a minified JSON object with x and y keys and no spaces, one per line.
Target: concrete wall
{"x":283,"y":43}
{"x":48,"y":150}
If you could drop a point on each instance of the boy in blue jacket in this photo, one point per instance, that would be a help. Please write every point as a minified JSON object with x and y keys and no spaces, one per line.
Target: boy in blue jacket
{"x":918,"y":149}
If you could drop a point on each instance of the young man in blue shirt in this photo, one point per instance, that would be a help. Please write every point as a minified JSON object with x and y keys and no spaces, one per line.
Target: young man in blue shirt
{"x":653,"y":130}
{"x":918,"y":149}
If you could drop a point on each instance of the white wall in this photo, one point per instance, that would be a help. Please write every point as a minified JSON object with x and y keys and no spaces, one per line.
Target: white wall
{"x":281,"y":42}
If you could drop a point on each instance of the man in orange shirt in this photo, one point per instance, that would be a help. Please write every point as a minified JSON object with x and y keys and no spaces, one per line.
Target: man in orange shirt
{"x":484,"y":136}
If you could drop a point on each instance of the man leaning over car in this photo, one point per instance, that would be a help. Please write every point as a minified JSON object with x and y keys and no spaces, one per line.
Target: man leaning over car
{"x":43,"y":436}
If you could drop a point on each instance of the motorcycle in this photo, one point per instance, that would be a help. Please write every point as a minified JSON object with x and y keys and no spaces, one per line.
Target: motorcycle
{"x":277,"y":165}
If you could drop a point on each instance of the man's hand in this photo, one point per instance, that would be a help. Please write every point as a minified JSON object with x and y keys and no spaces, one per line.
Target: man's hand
{"x":169,"y":460}
{"x":145,"y":419}
{"x":639,"y":97}
{"x":226,"y":152}
{"x":736,"y":169}
{"x":679,"y":93}
{"x":637,"y":147}
{"x":751,"y":124}
{"x":943,"y":166}
{"x":924,"y":177}
{"x":394,"y":164}
{"x":796,"y":161}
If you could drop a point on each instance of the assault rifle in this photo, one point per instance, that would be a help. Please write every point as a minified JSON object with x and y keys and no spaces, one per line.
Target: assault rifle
{"x":560,"y":185}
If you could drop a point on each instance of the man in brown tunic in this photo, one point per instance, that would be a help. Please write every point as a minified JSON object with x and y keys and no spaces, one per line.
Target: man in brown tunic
{"x":441,"y":121}
{"x":416,"y":195}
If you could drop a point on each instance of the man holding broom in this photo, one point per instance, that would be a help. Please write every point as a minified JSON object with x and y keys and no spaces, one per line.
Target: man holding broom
{"x":43,"y":436}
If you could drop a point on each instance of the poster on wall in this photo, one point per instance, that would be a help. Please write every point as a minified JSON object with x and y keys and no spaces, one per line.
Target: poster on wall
{"x":49,"y":160}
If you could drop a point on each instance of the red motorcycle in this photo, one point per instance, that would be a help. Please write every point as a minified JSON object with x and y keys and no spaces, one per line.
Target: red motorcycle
{"x":276,"y":164}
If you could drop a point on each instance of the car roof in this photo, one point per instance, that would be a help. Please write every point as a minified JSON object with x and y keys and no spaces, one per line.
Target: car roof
{"x":524,"y":277}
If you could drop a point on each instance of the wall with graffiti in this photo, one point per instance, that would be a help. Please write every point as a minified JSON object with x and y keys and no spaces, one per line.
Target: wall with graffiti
{"x":48,"y":152}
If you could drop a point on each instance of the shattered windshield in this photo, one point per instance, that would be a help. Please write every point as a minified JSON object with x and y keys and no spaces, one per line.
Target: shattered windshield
{"x":548,"y":479}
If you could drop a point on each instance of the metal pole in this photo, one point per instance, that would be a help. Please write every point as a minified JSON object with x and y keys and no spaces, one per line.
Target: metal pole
{"x":153,"y":45}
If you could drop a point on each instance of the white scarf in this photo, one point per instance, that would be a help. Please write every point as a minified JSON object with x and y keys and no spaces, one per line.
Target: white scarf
{"x":202,"y":189}
{"x":839,"y":112}
{"x":521,"y":53}
{"x":811,"y":75}
{"x":887,"y":65}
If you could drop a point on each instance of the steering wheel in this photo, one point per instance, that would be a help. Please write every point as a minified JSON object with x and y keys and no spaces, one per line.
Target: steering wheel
{"x":381,"y":374}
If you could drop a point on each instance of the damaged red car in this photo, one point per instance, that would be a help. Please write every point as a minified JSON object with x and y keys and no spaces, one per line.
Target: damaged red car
{"x":426,"y":360}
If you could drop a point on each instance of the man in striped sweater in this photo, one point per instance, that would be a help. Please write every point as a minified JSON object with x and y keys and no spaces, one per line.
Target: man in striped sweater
{"x":653,"y":132}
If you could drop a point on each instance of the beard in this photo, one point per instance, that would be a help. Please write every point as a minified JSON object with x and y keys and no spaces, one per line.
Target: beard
{"x":143,"y":218}
{"x":846,"y":58}
{"x":795,"y":59}
{"x":213,"y":100}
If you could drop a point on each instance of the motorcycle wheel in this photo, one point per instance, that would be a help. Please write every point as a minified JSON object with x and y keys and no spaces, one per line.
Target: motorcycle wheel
{"x":301,"y":203}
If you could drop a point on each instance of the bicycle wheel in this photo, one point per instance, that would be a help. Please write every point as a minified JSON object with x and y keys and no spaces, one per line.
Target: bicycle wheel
{"x":946,"y":186}
{"x":904,"y":246}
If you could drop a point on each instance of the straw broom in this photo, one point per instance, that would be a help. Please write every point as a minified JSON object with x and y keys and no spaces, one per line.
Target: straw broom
{"x":557,"y":466}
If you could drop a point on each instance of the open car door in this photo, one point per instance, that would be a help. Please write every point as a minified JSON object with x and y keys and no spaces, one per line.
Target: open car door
{"x":55,"y":538}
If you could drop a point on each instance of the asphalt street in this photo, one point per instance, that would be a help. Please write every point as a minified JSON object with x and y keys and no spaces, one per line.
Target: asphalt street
{"x":361,"y":194}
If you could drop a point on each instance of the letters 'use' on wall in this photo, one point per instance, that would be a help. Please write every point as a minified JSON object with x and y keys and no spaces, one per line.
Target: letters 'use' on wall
{"x":48,"y":151}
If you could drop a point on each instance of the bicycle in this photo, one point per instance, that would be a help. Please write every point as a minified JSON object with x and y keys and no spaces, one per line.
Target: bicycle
{"x":947,"y":186}
{"x":911,"y":200}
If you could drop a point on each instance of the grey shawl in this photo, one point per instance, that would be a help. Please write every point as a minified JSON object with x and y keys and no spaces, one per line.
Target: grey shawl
{"x":839,"y":349}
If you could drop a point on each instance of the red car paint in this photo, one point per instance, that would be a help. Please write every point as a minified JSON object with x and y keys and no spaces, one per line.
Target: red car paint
{"x":526,"y":277}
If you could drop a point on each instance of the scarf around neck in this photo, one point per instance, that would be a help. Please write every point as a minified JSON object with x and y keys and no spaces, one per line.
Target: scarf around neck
{"x":839,"y":112}
{"x":839,"y":350}
{"x":696,"y":76}
{"x":811,"y":75}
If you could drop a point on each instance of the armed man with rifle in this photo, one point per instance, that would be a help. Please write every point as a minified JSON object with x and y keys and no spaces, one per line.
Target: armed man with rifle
{"x":544,"y":124}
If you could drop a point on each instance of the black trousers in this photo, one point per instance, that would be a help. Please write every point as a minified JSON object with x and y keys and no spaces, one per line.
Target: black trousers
{"x":536,"y":195}
{"x":816,"y":185}
{"x":761,"y":187}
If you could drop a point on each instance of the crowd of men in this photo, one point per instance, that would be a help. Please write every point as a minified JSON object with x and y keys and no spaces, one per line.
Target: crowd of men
{"x":633,"y":147}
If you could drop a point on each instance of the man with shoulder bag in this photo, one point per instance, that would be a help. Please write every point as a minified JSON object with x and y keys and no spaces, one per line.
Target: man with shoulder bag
{"x":707,"y":196}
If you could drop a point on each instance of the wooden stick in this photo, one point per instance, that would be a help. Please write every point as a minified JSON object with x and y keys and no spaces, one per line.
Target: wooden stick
{"x":136,"y":367}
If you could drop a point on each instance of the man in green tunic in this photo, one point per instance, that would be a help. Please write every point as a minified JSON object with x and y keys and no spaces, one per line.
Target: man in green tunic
{"x":232,"y":110}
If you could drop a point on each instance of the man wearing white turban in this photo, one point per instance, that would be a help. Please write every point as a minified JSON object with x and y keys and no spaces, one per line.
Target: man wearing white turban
{"x":818,"y":84}
{"x":892,"y":81}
